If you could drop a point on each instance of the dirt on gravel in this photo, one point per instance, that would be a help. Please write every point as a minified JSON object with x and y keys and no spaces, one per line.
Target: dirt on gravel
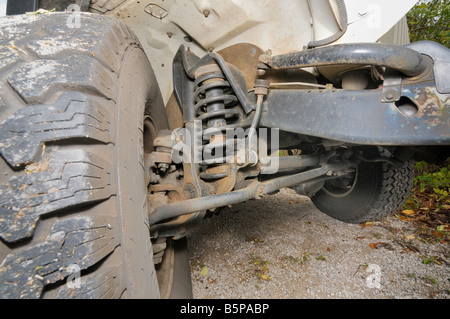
{"x":282,"y":247}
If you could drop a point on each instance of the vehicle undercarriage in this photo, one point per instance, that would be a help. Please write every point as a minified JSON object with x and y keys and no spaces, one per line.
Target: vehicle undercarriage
{"x":213,"y":120}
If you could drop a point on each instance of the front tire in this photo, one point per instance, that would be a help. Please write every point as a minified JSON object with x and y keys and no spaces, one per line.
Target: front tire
{"x":73,"y":199}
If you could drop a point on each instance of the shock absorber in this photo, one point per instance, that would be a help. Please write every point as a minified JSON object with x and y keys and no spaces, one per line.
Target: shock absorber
{"x":216,"y":107}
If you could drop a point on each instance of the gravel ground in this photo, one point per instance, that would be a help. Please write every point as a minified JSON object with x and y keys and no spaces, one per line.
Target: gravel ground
{"x":282,"y":247}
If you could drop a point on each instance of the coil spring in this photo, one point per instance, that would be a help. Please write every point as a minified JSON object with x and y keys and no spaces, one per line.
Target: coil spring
{"x":216,"y":106}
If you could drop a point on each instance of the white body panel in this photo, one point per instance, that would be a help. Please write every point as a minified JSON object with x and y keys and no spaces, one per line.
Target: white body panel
{"x":2,"y":8}
{"x":279,"y":25}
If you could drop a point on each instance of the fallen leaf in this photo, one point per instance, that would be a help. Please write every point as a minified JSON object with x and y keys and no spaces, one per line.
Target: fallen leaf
{"x":392,"y":229}
{"x":433,"y":294}
{"x":408,"y":212}
{"x":41,"y":11}
{"x":321,"y":257}
{"x":434,"y":259}
{"x":410,"y":237}
{"x":255,"y":239}
{"x":204,"y":271}
{"x":367,"y":224}
{"x":430,"y":280}
{"x":380,"y":244}
{"x":437,"y":234}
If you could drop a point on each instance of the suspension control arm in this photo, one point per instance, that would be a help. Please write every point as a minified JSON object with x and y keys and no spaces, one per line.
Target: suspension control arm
{"x":253,"y":191}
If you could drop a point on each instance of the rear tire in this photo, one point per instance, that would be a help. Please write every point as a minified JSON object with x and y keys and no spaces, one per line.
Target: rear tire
{"x":73,"y":199}
{"x":376,"y":190}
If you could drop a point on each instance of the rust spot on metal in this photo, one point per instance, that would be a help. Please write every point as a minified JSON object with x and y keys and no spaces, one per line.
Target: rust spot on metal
{"x":433,"y":107}
{"x":422,"y":98}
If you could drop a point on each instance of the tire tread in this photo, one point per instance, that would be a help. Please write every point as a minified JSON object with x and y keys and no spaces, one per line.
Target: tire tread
{"x":58,"y":100}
